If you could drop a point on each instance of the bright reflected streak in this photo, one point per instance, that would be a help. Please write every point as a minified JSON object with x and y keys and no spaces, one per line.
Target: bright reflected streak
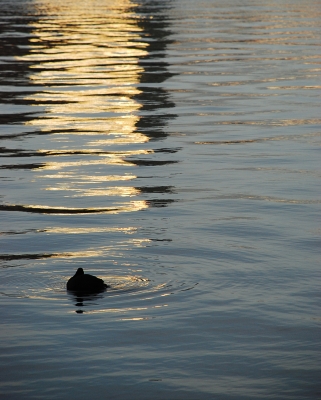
{"x":93,"y":152}
{"x":84,"y":230}
{"x":91,"y":67}
{"x":135,"y":319}
{"x":115,"y":191}
{"x":86,"y":70}
{"x":122,"y":124}
{"x":125,"y":310}
{"x":44,"y":209}
{"x":85,"y":179}
{"x":104,"y":161}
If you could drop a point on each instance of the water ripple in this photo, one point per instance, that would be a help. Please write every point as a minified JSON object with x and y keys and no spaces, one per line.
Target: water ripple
{"x":158,"y":145}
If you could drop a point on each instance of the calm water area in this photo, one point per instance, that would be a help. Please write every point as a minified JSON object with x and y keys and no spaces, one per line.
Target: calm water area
{"x":171,"y":148}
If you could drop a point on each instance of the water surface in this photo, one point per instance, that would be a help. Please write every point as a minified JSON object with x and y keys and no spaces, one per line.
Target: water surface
{"x":172,"y":149}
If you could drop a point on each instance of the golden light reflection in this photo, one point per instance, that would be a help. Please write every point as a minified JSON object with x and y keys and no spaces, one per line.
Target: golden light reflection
{"x":93,"y":152}
{"x":88,"y":64}
{"x":103,"y":161}
{"x":84,"y":230}
{"x":112,"y":191}
{"x":83,"y":179}
{"x":95,"y":123}
{"x":85,"y":67}
{"x":58,"y":210}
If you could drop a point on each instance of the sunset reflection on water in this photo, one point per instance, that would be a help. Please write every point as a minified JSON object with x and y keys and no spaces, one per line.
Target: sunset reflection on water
{"x":87,"y":74}
{"x":171,"y":149}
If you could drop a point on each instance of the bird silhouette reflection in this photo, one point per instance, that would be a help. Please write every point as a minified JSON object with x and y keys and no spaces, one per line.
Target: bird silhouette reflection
{"x":82,"y":300}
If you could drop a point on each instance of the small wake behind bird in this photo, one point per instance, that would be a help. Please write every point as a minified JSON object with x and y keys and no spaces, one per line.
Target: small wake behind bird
{"x":85,"y":283}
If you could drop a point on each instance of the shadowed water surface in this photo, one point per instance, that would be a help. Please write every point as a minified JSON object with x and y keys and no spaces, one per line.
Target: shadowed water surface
{"x":172,"y":149}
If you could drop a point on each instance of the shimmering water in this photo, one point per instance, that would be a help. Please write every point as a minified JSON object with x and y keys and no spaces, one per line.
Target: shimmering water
{"x":171,"y":148}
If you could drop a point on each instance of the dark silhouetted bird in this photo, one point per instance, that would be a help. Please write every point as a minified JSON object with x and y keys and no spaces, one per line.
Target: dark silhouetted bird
{"x":85,"y":283}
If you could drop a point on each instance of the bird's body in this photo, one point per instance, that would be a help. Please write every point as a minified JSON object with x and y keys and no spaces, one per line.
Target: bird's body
{"x":85,"y":283}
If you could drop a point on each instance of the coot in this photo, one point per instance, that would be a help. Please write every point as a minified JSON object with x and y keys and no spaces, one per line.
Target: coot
{"x":85,"y":283}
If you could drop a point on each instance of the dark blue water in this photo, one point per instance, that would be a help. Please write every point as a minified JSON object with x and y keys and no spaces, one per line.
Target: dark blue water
{"x":173,"y":149}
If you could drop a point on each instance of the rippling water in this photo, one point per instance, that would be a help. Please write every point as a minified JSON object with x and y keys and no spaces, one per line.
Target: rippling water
{"x":171,"y":148}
